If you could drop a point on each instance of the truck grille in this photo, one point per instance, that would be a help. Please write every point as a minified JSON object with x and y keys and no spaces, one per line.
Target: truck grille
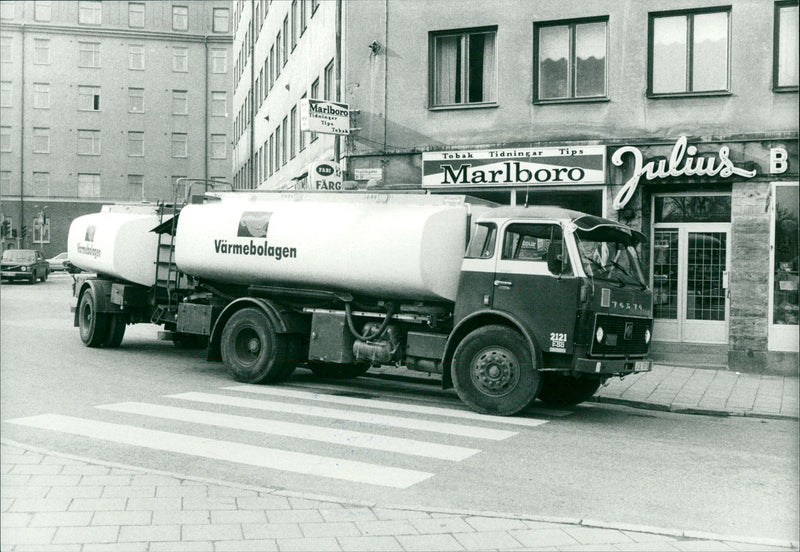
{"x":614,"y":342}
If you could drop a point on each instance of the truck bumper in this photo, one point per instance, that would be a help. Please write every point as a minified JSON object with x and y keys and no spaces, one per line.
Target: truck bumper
{"x":613,"y":366}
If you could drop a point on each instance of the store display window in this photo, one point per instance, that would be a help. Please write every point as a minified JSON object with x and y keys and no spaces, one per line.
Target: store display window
{"x":785,"y":266}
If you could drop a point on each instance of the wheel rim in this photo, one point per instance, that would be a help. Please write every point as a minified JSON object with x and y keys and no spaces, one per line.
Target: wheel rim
{"x":247,"y":345}
{"x":495,"y":371}
{"x":86,"y":316}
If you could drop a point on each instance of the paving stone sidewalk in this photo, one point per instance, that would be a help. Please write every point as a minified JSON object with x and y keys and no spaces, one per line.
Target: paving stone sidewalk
{"x":61,"y":503}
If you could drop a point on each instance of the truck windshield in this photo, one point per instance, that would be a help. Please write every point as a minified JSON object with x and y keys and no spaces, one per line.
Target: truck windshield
{"x":604,"y":258}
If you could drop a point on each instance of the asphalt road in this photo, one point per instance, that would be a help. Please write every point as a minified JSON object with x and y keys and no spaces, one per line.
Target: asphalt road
{"x":734,"y":476}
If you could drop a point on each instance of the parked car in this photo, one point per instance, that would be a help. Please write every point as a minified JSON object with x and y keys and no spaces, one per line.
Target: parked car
{"x":24,"y":264}
{"x":57,"y":262}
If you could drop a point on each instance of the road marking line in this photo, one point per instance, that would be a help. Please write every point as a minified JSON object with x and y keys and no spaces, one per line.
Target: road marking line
{"x":298,"y":431}
{"x":350,"y":415}
{"x":373,"y":403}
{"x":229,"y":451}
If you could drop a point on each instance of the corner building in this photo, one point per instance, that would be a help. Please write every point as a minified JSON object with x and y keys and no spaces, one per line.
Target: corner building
{"x":107,"y":101}
{"x":682,"y":123}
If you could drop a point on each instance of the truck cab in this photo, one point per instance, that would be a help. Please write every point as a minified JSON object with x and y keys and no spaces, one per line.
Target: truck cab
{"x":570,"y":284}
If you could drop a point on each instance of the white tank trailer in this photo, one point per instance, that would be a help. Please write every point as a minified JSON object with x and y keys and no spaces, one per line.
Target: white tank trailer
{"x":339,"y":282}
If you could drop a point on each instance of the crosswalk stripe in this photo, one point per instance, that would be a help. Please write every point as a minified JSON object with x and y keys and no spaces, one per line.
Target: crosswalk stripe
{"x":385,"y":405}
{"x":298,"y":431}
{"x":308,"y":464}
{"x":350,"y":415}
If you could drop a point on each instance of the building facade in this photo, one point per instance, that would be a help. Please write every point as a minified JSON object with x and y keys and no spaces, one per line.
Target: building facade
{"x":681,"y":122}
{"x":107,"y":101}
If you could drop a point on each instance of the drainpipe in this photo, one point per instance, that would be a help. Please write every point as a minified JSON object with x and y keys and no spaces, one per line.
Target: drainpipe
{"x":205,"y":113}
{"x":338,"y":73}
{"x":250,"y":92}
{"x":20,"y":239}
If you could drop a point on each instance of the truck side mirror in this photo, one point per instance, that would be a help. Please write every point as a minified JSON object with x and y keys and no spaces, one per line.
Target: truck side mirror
{"x":555,"y":257}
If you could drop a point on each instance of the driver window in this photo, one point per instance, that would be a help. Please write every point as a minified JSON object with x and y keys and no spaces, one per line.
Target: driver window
{"x":539,"y":243}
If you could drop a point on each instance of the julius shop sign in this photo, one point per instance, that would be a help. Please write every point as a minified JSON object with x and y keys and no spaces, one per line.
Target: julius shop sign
{"x":514,"y":167}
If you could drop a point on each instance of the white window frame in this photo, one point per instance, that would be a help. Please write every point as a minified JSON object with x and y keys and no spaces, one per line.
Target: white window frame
{"x":133,"y":99}
{"x":180,"y":18}
{"x":90,"y":49}
{"x":6,"y":49}
{"x":5,"y":139}
{"x":135,"y":143}
{"x":6,"y":94}
{"x":41,"y":179}
{"x":463,"y":36}
{"x":180,"y":102}
{"x":41,"y":51}
{"x":219,"y":141}
{"x":219,"y":18}
{"x":219,"y":61}
{"x":134,"y":13}
{"x":180,"y":59}
{"x":136,"y":53}
{"x":90,"y":12}
{"x":219,"y":103}
{"x":42,"y":10}
{"x":41,"y":140}
{"x":90,"y":138}
{"x":41,"y":95}
{"x":180,"y":145}
{"x":89,"y":180}
{"x":136,"y":181}
{"x":86,"y":97}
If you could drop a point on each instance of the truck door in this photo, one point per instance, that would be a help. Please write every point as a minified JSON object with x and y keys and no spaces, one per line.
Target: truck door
{"x":535,"y":282}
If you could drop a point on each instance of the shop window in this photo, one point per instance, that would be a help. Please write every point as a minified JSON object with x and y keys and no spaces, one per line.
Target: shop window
{"x":688,"y":52}
{"x":785,"y":268}
{"x":785,"y":49}
{"x":570,"y":59}
{"x":463,"y":68}
{"x":703,"y":208}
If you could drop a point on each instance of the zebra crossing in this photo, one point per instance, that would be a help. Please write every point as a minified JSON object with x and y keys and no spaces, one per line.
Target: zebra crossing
{"x":299,"y":415}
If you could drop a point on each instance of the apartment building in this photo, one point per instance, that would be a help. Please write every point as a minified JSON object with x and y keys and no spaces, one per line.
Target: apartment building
{"x":105,"y":101}
{"x":682,"y":122}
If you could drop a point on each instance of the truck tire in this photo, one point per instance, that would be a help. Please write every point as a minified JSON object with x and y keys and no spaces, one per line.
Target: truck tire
{"x":564,"y":390}
{"x":339,"y":371}
{"x":116,"y":330}
{"x":92,"y":324}
{"x":253,"y":351}
{"x":494,"y":371}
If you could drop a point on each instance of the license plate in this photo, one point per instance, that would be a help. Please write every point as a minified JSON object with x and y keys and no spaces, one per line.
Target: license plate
{"x":642,"y":366}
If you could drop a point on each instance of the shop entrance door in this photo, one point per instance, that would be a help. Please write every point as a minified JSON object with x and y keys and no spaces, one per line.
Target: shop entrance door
{"x":690,"y":266}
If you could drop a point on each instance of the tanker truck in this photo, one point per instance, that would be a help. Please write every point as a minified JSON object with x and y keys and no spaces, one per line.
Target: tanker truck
{"x":507,"y":303}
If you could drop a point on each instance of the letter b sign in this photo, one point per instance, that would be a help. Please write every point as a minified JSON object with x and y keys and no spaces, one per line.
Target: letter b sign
{"x":778,"y":160}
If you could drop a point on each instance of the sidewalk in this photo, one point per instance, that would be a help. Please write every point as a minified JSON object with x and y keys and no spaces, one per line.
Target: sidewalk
{"x":62,"y":503}
{"x":684,"y":390}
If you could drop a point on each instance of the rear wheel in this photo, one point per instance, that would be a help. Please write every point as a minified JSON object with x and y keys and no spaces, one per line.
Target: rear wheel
{"x":564,"y":390}
{"x":116,"y":330}
{"x":253,"y":351}
{"x":92,"y":324}
{"x":339,"y":371}
{"x":494,"y":371}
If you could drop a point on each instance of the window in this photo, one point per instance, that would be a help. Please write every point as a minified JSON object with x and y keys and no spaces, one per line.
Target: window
{"x":482,"y":242}
{"x":329,"y":84}
{"x":5,"y":48}
{"x":5,"y":139}
{"x":785,"y":53}
{"x":221,"y":22}
{"x":180,"y":59}
{"x":285,"y":44}
{"x":135,"y":187}
{"x":89,"y":98}
{"x":302,"y":134}
{"x":570,"y":59}
{"x":218,"y":149}
{"x":271,"y":67}
{"x":219,"y":61}
{"x":88,"y":142}
{"x":180,"y":102}
{"x":41,"y":51}
{"x":294,"y":24}
{"x":136,"y":57}
{"x":688,"y":52}
{"x":41,"y":95}
{"x":7,"y":189}
{"x":42,"y":10}
{"x":135,"y":143}
{"x":136,"y":100}
{"x":88,"y":185}
{"x":540,"y":244}
{"x":278,"y":148}
{"x":314,"y":6}
{"x":7,"y":10}
{"x":293,"y":133}
{"x":180,"y":18}
{"x":5,"y":94}
{"x":41,"y":184}
{"x":90,"y":12}
{"x":179,"y":144}
{"x":277,"y":58}
{"x":136,"y":15}
{"x":41,"y":140}
{"x":219,"y":103}
{"x":88,"y":54}
{"x":303,"y":17}
{"x":284,"y":141}
{"x":464,"y":68}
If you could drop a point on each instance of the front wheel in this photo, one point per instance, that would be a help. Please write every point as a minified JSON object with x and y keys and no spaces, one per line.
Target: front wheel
{"x":494,"y":371}
{"x":92,"y":324}
{"x":253,"y":351}
{"x":563,"y":390}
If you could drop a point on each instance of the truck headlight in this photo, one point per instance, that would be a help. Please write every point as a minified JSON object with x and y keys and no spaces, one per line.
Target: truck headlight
{"x":599,"y":334}
{"x":647,"y":336}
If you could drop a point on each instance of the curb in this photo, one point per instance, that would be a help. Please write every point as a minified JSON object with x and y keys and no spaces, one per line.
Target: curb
{"x":671,"y":532}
